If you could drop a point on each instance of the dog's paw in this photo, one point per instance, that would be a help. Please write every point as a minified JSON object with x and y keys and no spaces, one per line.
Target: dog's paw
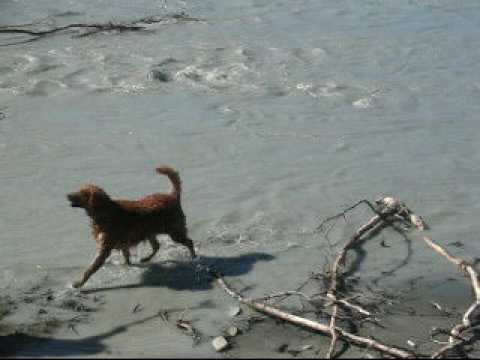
{"x":193,"y":254}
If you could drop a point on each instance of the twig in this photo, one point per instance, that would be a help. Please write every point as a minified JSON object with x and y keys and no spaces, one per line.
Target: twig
{"x":137,"y":25}
{"x":335,"y":275}
{"x":344,"y":212}
{"x":388,"y":211}
{"x":137,"y":308}
{"x":285,"y":294}
{"x":313,"y":298}
{"x":333,"y":330}
{"x":313,"y":325}
{"x":97,"y":27}
{"x":469,"y":318}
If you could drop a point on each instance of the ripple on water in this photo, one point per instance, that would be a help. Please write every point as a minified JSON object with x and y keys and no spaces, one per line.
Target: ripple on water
{"x":44,"y":87}
{"x":363,"y":103}
{"x":78,"y":79}
{"x":236,"y":68}
{"x":42,"y":67}
{"x":5,"y":70}
{"x":229,"y":76}
{"x":327,"y":89}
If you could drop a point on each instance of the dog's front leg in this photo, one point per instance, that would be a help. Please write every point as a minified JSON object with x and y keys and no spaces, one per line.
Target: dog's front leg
{"x":99,"y":260}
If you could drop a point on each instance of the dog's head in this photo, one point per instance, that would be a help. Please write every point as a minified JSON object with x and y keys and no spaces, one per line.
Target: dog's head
{"x":89,"y":197}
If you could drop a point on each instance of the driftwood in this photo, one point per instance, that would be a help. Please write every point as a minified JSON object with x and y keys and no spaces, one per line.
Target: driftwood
{"x":336,"y":270}
{"x":388,"y":211}
{"x":314,"y":325}
{"x":469,"y":318}
{"x":83,"y":30}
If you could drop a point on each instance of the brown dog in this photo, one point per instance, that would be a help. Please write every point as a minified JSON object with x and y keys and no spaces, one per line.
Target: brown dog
{"x":121,"y":224}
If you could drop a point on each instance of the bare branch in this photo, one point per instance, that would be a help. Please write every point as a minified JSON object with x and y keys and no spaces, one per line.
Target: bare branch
{"x":313,"y":325}
{"x":137,"y":25}
{"x":470,"y":317}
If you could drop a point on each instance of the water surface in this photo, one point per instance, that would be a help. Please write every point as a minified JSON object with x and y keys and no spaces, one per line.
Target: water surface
{"x":276,"y":114}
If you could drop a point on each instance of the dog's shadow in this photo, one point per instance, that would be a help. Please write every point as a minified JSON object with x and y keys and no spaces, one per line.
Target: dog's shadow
{"x":27,"y":345}
{"x":190,"y":275}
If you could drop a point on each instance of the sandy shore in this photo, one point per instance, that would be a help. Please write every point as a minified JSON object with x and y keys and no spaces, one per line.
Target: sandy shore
{"x":51,"y":320}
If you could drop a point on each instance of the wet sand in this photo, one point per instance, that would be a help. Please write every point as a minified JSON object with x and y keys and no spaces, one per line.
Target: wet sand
{"x":46,"y":318}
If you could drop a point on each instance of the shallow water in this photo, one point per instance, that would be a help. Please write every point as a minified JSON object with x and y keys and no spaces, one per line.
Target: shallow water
{"x":276,"y":114}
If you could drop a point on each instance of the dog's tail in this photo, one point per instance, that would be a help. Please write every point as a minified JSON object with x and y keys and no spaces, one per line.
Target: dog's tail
{"x":172,"y":174}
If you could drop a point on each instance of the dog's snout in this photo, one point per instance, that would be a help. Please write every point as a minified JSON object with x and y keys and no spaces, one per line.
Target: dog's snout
{"x":73,"y":199}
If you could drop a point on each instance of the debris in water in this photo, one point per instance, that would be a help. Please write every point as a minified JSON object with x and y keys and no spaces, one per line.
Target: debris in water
{"x":137,"y":308}
{"x":411,"y":344}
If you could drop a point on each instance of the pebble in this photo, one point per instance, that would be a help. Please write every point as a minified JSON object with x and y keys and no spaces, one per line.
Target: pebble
{"x":232,"y":331}
{"x":219,"y":343}
{"x":234,"y":311}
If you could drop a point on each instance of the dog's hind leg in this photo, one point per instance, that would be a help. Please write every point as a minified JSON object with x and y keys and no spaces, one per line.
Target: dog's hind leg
{"x":155,"y":247}
{"x":189,"y":244}
{"x":99,"y":260}
{"x":182,"y":238}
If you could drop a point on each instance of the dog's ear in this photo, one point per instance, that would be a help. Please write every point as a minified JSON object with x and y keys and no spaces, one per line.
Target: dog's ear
{"x":97,"y":198}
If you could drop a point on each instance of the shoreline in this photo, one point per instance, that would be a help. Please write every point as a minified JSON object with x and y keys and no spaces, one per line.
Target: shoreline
{"x":44,"y":321}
